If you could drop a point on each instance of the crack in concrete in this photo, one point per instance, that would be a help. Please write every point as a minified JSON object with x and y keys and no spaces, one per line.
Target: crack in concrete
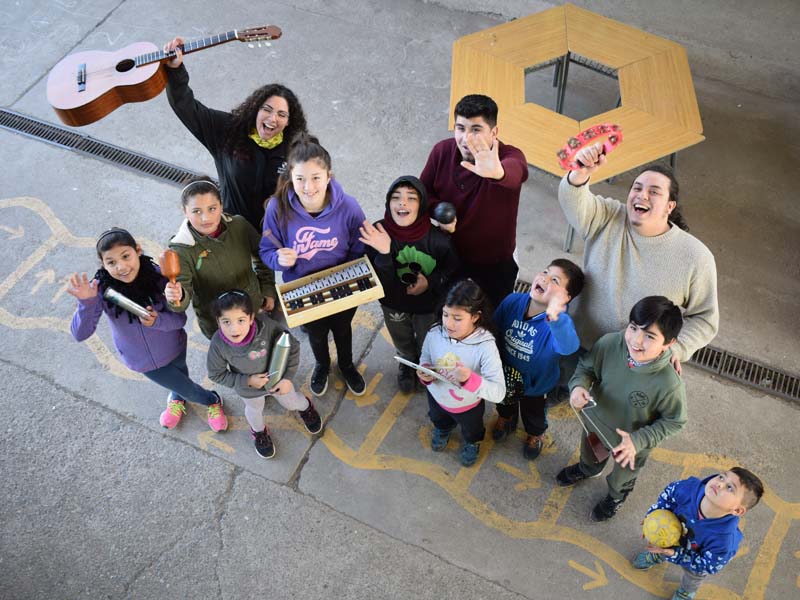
{"x":293,"y":483}
{"x":68,"y":52}
{"x":220,"y":509}
{"x":126,"y":589}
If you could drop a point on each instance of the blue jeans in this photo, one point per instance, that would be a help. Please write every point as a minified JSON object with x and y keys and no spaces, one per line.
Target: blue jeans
{"x":175,"y":377}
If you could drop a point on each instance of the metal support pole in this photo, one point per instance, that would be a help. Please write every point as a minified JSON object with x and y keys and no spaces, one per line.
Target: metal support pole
{"x":568,"y":238}
{"x":562,"y":83}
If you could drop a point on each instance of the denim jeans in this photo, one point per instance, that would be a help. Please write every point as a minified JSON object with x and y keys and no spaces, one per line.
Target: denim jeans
{"x":175,"y":377}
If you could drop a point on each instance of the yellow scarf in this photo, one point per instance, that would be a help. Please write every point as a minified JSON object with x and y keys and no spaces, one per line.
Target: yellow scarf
{"x":269,"y":144}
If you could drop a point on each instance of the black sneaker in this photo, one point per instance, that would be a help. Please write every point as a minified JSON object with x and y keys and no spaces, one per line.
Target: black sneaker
{"x":533,"y":447}
{"x":354,"y":380}
{"x":605,"y":509}
{"x":319,"y":380}
{"x":406,"y":379}
{"x":311,"y":418}
{"x":571,"y":475}
{"x":503,"y":428}
{"x":264,"y":446}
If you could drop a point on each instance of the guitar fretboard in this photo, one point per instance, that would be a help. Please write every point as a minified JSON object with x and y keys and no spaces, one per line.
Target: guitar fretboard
{"x":214,"y":40}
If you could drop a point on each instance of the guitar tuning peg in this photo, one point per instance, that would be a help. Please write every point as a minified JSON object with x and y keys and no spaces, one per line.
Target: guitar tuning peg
{"x":251,"y":45}
{"x":259,"y":44}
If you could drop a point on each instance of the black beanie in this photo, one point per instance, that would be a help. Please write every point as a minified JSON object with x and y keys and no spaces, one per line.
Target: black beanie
{"x":417,"y":185}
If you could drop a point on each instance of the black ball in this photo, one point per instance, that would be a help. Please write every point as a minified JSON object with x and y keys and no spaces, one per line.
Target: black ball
{"x":445,"y":213}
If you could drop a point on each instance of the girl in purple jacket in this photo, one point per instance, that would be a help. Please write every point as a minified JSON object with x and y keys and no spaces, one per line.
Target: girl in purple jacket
{"x":154,"y":346}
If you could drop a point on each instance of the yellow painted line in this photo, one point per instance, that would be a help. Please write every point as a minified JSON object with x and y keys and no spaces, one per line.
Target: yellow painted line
{"x":597,"y":577}
{"x":530,"y":480}
{"x":384,"y":424}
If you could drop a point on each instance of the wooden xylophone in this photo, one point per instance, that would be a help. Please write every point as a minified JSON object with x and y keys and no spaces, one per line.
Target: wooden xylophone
{"x":330,"y":291}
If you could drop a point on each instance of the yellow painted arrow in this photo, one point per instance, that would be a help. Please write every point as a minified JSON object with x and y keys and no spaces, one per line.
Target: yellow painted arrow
{"x":598,"y":577}
{"x":15,"y":233}
{"x":205,"y":438}
{"x":530,"y":480}
{"x":42,"y":277}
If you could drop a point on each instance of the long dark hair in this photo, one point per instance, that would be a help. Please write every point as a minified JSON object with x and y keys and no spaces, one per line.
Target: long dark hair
{"x":146,"y":289}
{"x":237,"y":141}
{"x":468,"y":295}
{"x":305,"y":148}
{"x":675,"y":217}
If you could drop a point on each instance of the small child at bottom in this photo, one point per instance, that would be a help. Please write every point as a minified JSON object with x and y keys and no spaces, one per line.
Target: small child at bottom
{"x":239,"y":357}
{"x":710,"y":510}
{"x":462,"y":349}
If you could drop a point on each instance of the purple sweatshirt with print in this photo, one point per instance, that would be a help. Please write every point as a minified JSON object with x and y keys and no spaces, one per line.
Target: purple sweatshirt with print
{"x":321,"y":242}
{"x":141,"y":348}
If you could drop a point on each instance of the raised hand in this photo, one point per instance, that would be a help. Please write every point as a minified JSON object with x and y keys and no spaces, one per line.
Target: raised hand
{"x":592,"y":158}
{"x":375,"y":236}
{"x":80,"y":286}
{"x":287,"y":257}
{"x":487,"y":157}
{"x":176,"y":44}
{"x":557,"y":303}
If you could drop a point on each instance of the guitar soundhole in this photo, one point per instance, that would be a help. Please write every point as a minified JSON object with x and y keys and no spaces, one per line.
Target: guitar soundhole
{"x":126,"y":65}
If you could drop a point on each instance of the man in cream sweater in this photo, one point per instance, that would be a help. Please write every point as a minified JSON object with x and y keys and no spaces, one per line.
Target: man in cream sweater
{"x":636,"y":249}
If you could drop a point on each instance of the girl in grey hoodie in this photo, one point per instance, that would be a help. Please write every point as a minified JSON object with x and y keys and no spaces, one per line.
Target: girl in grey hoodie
{"x":463,"y":350}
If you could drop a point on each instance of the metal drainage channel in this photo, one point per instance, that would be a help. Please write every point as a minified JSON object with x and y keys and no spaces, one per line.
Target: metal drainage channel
{"x":734,"y":367}
{"x":87,"y":145}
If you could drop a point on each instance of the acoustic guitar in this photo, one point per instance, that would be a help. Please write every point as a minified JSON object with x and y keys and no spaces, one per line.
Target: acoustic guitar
{"x":84,"y":87}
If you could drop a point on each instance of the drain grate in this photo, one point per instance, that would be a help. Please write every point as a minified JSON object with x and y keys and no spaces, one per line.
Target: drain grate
{"x":733,"y":367}
{"x":89,"y":146}
{"x":743,"y":370}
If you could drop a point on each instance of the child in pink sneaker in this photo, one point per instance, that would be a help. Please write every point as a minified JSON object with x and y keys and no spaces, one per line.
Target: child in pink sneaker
{"x":239,"y":357}
{"x":154,"y":346}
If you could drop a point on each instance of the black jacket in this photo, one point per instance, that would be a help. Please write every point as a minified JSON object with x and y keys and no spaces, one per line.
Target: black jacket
{"x":391,"y":267}
{"x":245,"y":184}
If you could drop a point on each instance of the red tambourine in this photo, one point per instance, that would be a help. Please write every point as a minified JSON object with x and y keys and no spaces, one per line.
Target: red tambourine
{"x":566,"y":156}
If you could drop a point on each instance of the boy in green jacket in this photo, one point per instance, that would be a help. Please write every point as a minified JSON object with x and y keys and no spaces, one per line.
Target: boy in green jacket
{"x":640,"y":399}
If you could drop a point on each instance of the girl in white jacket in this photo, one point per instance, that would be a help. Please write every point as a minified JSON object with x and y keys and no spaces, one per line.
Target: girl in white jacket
{"x":462,"y":349}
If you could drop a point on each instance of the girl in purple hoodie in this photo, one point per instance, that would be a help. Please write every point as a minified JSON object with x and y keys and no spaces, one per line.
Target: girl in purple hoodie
{"x":154,"y":346}
{"x":317,"y":225}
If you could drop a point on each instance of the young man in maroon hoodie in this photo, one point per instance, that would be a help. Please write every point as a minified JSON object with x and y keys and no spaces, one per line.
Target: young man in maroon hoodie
{"x":482,"y":177}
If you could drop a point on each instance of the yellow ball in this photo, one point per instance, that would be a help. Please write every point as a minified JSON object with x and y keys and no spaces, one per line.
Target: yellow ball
{"x":662,"y":528}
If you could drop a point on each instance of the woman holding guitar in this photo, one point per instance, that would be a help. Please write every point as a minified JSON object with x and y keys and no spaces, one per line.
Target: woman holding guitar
{"x":249,"y":144}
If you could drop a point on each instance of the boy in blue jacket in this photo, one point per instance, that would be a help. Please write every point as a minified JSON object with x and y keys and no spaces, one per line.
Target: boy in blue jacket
{"x":710,"y":510}
{"x":534,"y":332}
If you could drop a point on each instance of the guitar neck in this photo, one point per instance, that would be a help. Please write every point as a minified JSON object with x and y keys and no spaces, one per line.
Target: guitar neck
{"x":188,"y":47}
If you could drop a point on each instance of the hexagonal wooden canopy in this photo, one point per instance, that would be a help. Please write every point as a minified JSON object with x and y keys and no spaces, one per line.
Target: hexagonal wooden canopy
{"x":658,"y":114}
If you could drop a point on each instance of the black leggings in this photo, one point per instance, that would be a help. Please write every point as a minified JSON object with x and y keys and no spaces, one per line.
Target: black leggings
{"x":340,"y":325}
